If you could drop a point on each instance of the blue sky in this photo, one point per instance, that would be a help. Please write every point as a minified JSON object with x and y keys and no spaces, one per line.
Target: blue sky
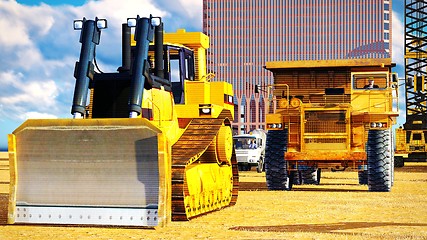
{"x":52,"y":2}
{"x":40,"y":47}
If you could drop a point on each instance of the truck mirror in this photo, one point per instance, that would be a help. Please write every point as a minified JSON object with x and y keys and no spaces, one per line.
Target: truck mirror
{"x":409,"y":82}
{"x":257,"y":88}
{"x":419,"y":83}
{"x":394,"y":78}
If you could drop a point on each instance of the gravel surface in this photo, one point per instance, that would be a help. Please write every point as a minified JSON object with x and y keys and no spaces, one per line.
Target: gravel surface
{"x":338,"y":208}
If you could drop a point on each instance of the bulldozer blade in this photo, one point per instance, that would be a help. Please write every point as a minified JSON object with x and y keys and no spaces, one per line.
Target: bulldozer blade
{"x":88,"y":171}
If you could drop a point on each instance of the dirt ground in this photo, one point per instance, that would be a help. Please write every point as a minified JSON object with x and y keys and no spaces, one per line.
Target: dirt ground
{"x":338,"y":208}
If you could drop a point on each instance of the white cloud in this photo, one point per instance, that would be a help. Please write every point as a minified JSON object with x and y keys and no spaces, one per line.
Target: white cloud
{"x":398,"y":34}
{"x":37,"y":115}
{"x":23,"y":96}
{"x":23,"y":23}
{"x":193,"y":9}
{"x":28,"y":58}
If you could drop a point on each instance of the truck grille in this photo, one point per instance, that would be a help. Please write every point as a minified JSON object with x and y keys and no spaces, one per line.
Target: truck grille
{"x":325,"y":122}
{"x":325,"y":140}
{"x":417,"y":148}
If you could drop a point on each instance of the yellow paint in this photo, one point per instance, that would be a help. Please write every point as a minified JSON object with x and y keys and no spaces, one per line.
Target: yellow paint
{"x":317,"y":88}
{"x":13,"y":179}
{"x":210,"y":184}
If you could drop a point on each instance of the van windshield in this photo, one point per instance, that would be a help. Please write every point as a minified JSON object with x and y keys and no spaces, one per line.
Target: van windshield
{"x":245,"y":143}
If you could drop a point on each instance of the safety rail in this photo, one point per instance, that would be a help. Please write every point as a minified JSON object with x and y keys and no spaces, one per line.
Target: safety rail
{"x":274,"y":97}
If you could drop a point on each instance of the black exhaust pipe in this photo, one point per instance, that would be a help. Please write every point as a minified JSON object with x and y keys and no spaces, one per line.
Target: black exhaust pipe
{"x":126,"y":49}
{"x":158,"y":42}
{"x":89,"y":38}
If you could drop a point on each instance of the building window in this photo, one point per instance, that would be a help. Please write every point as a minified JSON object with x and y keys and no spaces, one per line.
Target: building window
{"x":386,"y":45}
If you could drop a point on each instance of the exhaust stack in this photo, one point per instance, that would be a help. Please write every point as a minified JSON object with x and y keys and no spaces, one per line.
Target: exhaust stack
{"x":126,"y":50}
{"x":158,"y":42}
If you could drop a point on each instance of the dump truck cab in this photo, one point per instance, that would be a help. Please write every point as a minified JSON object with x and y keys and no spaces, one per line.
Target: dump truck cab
{"x":321,"y":113}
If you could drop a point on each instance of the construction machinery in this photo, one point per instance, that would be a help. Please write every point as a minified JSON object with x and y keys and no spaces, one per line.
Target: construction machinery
{"x":324,"y":115}
{"x":154,"y":143}
{"x":411,"y":139}
{"x":250,"y":150}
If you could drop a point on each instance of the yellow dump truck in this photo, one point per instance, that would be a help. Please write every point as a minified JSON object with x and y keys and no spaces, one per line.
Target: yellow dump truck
{"x":411,"y":138}
{"x":330,"y":114}
{"x":153,"y":144}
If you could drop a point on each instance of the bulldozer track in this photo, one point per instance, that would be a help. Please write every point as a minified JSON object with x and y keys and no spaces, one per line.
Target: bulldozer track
{"x":4,"y":188}
{"x":195,"y":141}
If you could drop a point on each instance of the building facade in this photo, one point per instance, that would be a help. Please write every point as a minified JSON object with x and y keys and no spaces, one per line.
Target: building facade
{"x":245,"y":34}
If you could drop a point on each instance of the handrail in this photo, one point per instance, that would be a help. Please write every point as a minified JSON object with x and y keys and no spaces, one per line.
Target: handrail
{"x":270,"y":93}
{"x":208,"y":77}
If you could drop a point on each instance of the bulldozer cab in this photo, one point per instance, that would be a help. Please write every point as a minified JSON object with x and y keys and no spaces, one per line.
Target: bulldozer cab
{"x":166,"y":67}
{"x":179,"y":61}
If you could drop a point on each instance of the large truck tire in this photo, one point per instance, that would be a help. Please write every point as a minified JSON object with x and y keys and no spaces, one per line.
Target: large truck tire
{"x":363,"y":177}
{"x":275,"y":165}
{"x":363,"y":172}
{"x":391,"y":144}
{"x":311,"y":176}
{"x":260,"y":166}
{"x":379,"y":161}
{"x":297,"y":178}
{"x":399,"y":162}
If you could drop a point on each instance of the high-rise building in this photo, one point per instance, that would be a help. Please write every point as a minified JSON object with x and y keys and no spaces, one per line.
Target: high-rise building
{"x":245,"y":34}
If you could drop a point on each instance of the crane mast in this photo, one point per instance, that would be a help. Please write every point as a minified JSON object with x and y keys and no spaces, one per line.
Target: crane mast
{"x":411,"y":142}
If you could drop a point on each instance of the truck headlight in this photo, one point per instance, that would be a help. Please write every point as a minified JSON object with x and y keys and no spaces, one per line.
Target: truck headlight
{"x":378,"y":125}
{"x":78,"y":24}
{"x":295,"y":102}
{"x":155,"y":21}
{"x":205,"y":109}
{"x":131,"y":22}
{"x":283,"y":103}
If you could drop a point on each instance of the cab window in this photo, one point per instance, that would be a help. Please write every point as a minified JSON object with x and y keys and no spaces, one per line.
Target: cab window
{"x":370,"y":81}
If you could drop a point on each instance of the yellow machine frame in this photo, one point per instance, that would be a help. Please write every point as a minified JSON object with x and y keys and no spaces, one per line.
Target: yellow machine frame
{"x":298,"y":91}
{"x":189,"y":155}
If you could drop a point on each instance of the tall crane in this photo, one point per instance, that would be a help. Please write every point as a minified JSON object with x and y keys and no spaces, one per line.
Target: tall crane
{"x":411,"y":139}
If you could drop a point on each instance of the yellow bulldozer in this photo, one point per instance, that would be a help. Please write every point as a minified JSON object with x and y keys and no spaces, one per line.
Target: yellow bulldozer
{"x":153,"y":144}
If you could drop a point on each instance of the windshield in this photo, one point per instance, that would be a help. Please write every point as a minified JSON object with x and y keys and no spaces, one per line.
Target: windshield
{"x":370,"y":81}
{"x":245,"y":143}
